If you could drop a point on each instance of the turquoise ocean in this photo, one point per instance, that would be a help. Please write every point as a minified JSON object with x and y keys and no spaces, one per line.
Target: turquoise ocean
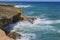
{"x":47,"y":24}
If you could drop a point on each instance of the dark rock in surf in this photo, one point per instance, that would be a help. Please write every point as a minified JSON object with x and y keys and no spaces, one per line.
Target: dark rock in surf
{"x":14,"y":35}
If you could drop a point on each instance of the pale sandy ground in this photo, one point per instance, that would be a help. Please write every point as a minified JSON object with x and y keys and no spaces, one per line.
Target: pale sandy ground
{"x":3,"y":36}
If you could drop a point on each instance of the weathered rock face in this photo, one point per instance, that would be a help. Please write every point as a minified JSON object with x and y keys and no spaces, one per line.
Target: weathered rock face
{"x":7,"y":14}
{"x":3,"y":36}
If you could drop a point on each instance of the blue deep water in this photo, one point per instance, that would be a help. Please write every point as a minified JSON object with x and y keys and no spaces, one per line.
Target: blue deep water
{"x":47,"y":25}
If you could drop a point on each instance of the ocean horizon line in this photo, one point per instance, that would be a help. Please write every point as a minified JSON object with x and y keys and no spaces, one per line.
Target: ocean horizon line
{"x":29,"y":1}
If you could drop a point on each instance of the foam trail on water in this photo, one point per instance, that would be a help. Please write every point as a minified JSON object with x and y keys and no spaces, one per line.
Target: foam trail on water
{"x":44,"y":21}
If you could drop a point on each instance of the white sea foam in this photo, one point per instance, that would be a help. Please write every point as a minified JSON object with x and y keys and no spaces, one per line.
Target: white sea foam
{"x":27,"y":36}
{"x":22,"y":6}
{"x":38,"y":25}
{"x":44,"y":21}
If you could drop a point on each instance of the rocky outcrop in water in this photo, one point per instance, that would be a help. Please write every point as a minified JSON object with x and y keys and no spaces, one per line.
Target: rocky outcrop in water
{"x":10,"y":14}
{"x":14,"y":35}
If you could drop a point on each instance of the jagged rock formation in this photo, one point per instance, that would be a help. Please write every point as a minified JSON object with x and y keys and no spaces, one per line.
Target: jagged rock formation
{"x":10,"y":14}
{"x":7,"y":14}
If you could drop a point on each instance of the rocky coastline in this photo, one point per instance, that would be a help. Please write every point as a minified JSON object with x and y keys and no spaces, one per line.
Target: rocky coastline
{"x":8,"y":15}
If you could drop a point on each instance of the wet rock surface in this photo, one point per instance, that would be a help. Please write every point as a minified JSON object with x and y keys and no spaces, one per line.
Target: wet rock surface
{"x":14,"y":35}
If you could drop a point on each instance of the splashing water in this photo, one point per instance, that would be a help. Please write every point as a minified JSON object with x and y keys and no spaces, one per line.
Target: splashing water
{"x":25,"y":28}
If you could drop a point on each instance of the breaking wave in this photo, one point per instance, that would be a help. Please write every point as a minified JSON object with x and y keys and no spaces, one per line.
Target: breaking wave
{"x":44,"y":21}
{"x":25,"y":28}
{"x":22,"y":6}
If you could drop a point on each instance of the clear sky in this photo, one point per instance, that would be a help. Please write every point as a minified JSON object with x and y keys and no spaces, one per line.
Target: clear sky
{"x":30,"y":0}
